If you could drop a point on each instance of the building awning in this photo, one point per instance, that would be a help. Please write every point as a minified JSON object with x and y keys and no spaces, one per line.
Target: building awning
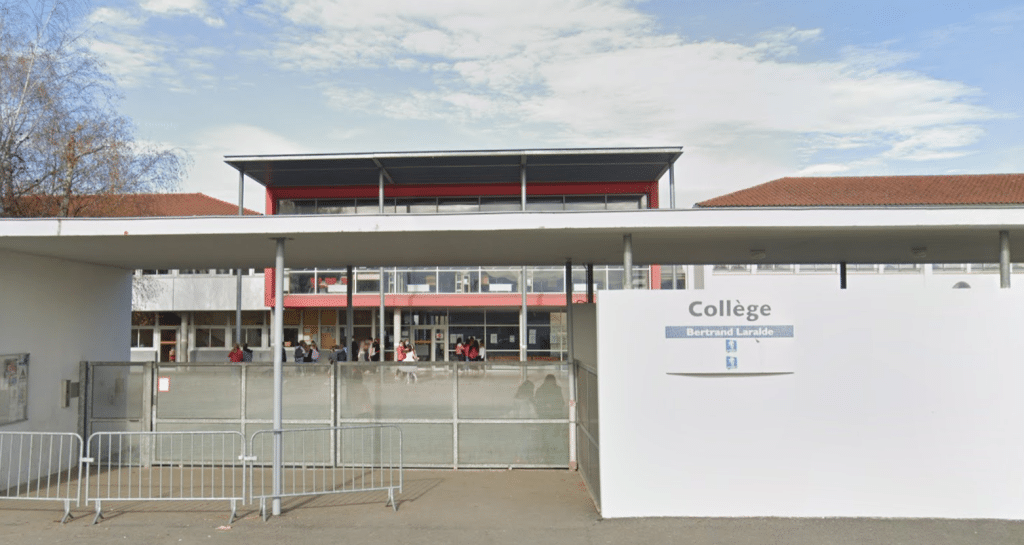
{"x":691,"y":236}
{"x":458,"y":167}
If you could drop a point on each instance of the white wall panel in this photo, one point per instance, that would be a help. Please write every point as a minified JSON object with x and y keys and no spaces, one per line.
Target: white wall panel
{"x":61,"y":313}
{"x":902,"y":403}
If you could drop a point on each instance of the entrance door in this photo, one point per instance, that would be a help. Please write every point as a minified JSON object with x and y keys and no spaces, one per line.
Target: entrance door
{"x":429,"y":342}
{"x":169,"y":344}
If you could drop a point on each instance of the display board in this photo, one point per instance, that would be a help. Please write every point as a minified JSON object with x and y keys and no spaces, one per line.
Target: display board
{"x":14,"y":388}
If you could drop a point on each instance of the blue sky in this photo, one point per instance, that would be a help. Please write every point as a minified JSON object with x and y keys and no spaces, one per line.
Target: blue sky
{"x":752,"y":90}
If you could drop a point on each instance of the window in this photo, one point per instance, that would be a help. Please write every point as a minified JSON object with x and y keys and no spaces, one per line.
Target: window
{"x":253,"y":336}
{"x":624,"y":202}
{"x":544,"y":204}
{"x":210,"y":337}
{"x":585,"y":202}
{"x":500,"y":204}
{"x":142,"y":338}
{"x":458,"y":205}
{"x":367,"y":206}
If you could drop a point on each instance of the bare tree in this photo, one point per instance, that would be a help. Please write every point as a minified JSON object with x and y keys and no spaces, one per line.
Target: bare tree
{"x":62,"y":142}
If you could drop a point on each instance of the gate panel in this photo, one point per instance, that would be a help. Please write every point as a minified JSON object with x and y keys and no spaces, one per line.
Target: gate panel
{"x":119,"y":396}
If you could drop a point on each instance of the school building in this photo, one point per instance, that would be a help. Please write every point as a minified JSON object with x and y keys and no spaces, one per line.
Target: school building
{"x":762,"y":399}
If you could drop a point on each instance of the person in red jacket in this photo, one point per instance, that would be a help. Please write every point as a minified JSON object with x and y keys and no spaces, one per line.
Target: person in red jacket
{"x":235,"y":356}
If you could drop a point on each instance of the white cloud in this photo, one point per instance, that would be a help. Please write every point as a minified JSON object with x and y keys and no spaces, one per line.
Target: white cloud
{"x":212,"y":176}
{"x":195,"y":8}
{"x":113,"y":17}
{"x":596,"y":72}
{"x":130,"y":60}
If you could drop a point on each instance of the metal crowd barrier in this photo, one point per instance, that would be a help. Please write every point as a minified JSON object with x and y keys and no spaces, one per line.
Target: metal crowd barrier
{"x":165,"y":466}
{"x":331,"y":460}
{"x":41,"y":466}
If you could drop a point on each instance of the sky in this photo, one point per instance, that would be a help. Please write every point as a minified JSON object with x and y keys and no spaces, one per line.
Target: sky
{"x":752,"y":90}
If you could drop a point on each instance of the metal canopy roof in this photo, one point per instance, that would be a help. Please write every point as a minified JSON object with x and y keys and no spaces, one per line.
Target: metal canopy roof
{"x":692,"y":236}
{"x":542,"y":165}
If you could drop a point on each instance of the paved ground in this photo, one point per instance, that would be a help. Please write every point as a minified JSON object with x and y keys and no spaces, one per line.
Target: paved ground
{"x":476,"y":507}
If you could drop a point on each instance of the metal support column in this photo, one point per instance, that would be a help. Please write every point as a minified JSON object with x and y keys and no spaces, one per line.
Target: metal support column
{"x":590,"y":283}
{"x":275,"y":504}
{"x":627,"y":262}
{"x":522,"y":280}
{"x":1004,"y":259}
{"x":350,"y":313}
{"x":380,"y":192}
{"x":672,"y":204}
{"x":842,"y":275}
{"x":238,"y":271}
{"x":522,"y":187}
{"x":522,"y":320}
{"x":571,"y":358}
{"x":383,"y":286}
{"x":380,"y":323}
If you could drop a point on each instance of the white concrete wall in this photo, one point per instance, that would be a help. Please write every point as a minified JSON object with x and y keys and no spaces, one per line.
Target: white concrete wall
{"x":902,"y":403}
{"x":198,"y":292}
{"x":61,"y":313}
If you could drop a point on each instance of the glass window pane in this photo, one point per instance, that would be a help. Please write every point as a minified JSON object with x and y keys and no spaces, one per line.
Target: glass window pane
{"x":422,"y":206}
{"x":624,"y":202}
{"x":547,"y":281}
{"x":457,"y":205}
{"x":584,"y":202}
{"x":500,"y":204}
{"x":169,"y":318}
{"x":367,"y":206}
{"x":466,"y":317}
{"x":446,"y":282}
{"x":217,"y":337}
{"x":614,"y":279}
{"x":142,"y":338}
{"x":143,"y":318}
{"x":544,"y":203}
{"x":305,"y":206}
{"x":502,"y":338}
{"x":503,"y":317}
{"x":335,"y":206}
{"x":286,"y":207}
{"x":500,"y":280}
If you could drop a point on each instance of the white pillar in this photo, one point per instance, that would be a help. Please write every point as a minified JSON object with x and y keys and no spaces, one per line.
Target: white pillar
{"x":396,"y":323}
{"x":1004,"y":259}
{"x":627,"y":262}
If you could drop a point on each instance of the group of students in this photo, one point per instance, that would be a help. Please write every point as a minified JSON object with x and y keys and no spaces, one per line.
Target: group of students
{"x":238,"y":354}
{"x":307,"y":353}
{"x":471,"y":350}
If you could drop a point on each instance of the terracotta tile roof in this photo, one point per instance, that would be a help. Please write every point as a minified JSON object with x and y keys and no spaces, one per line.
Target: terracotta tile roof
{"x":134,"y":205}
{"x":944,"y":190}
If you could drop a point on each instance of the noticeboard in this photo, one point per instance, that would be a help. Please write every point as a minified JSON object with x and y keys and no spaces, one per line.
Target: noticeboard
{"x":14,"y":388}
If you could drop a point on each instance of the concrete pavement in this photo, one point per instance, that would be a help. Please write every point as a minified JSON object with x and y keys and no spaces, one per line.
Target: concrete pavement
{"x":502,"y":507}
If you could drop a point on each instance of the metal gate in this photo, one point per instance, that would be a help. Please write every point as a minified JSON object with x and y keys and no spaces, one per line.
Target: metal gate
{"x":118,"y":396}
{"x":496,"y":414}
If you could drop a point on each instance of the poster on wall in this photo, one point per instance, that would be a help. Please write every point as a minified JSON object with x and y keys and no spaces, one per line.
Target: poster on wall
{"x":14,"y":388}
